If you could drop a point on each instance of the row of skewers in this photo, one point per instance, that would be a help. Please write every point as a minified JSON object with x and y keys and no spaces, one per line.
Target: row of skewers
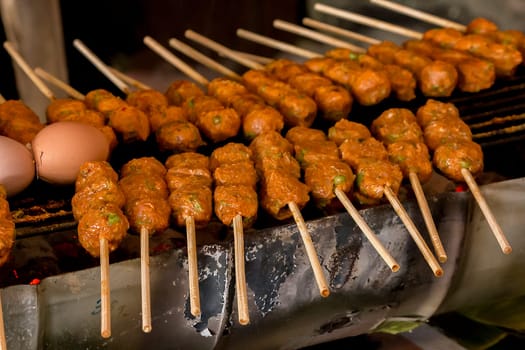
{"x":277,"y":160}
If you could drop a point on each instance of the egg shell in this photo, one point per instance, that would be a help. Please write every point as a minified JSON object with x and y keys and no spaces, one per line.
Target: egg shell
{"x":17,"y":168}
{"x":61,"y":148}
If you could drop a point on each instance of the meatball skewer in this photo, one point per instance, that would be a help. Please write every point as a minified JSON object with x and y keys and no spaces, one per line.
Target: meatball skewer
{"x":367,"y":86}
{"x":296,"y":107}
{"x":328,"y":176}
{"x":97,"y":206}
{"x":456,"y":156}
{"x":191,"y":199}
{"x":235,"y":202}
{"x":257,"y":117}
{"x":377,"y":177}
{"x":398,"y":130}
{"x":281,"y":192}
{"x":143,"y":182}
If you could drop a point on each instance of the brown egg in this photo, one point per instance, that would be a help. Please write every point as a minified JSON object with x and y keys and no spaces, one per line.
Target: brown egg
{"x":61,"y":148}
{"x":17,"y":169}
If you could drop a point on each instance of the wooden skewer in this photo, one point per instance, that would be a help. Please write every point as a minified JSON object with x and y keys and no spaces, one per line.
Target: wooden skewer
{"x":376,"y":243}
{"x":307,"y":33}
{"x":276,"y":44}
{"x":21,"y":62}
{"x":427,"y":217}
{"x":426,"y":17}
{"x":240,"y":275}
{"x":3,"y":342}
{"x":144,"y":234}
{"x":131,"y":81}
{"x":195,"y":301}
{"x":169,"y":57}
{"x":105,"y":299}
{"x":203,"y":59}
{"x":2,"y":99}
{"x":369,"y":21}
{"x":101,"y":66}
{"x":145,"y":280}
{"x":221,"y":49}
{"x":487,"y":212}
{"x":255,"y":58}
{"x":59,"y":83}
{"x":413,"y":231}
{"x":310,"y":250}
{"x":339,"y":31}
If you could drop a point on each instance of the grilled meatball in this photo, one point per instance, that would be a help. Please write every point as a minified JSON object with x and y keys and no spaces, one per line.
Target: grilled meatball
{"x":278,"y":189}
{"x":271,"y":142}
{"x":143,"y":166}
{"x":152,"y":214}
{"x":180,"y":177}
{"x":191,"y":201}
{"x":300,"y":134}
{"x":438,"y":79}
{"x":412,"y":157}
{"x":241,"y":173}
{"x":232,"y":152}
{"x":143,"y":186}
{"x":373,"y":175}
{"x":345,"y":129}
{"x":453,"y":156}
{"x":433,"y":111}
{"x":315,"y":152}
{"x":226,"y":90}
{"x":19,"y":122}
{"x":445,"y":131}
{"x":70,"y":109}
{"x":178,"y":136}
{"x":180,"y":91}
{"x":99,"y":192}
{"x":187,"y":160}
{"x":261,"y":120}
{"x":232,"y":200}
{"x":324,"y":177}
{"x":355,"y":152}
{"x":103,"y":222}
{"x":397,"y":125}
{"x":90,"y":172}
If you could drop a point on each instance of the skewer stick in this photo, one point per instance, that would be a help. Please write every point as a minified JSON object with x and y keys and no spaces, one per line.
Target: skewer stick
{"x":203,"y":59}
{"x":339,"y":31}
{"x":21,"y":62}
{"x":129,"y":80}
{"x":101,"y":66}
{"x":276,"y":44}
{"x":307,"y":33}
{"x":369,"y":21}
{"x":485,"y":209}
{"x":105,"y":300}
{"x":195,"y":301}
{"x":310,"y":250}
{"x":177,"y":62}
{"x":222,"y":50}
{"x":376,"y":243}
{"x":427,"y":217}
{"x":2,"y":99}
{"x":68,"y":89}
{"x":3,"y":342}
{"x":423,"y":16}
{"x":256,"y":58}
{"x":145,"y":280}
{"x":413,"y":231}
{"x":240,"y":275}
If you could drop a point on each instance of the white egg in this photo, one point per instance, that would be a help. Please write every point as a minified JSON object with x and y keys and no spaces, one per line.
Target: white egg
{"x":17,"y":168}
{"x":61,"y":148}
